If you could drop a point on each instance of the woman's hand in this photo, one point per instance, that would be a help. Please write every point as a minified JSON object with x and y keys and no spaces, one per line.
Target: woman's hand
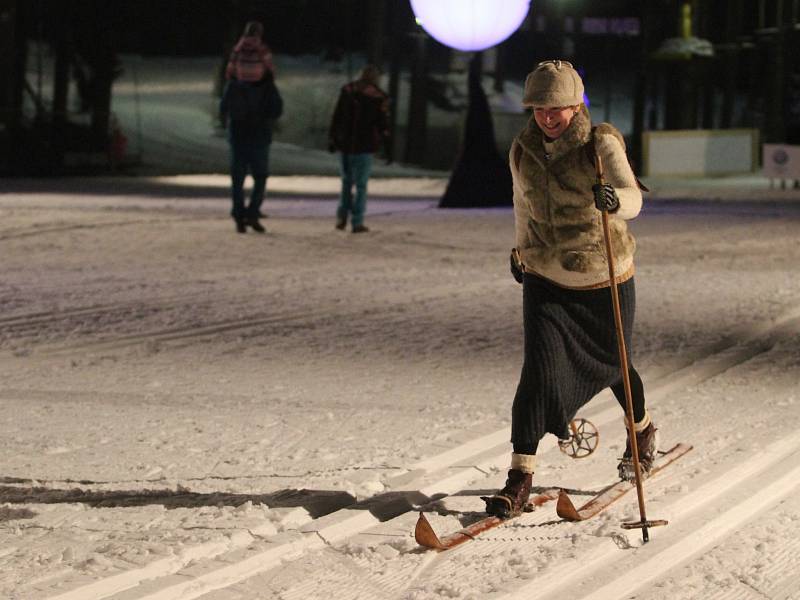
{"x":516,"y":266}
{"x":605,"y":197}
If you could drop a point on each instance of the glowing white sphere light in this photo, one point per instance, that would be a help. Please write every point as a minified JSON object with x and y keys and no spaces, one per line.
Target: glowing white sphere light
{"x":470,"y":25}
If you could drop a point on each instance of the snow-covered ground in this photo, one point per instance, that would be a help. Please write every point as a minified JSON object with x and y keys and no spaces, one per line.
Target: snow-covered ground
{"x":192,"y":413}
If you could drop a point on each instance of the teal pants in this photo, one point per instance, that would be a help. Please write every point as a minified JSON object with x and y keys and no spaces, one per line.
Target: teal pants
{"x":355,"y":170}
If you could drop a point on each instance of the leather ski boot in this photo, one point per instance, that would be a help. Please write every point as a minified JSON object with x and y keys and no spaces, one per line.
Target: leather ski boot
{"x":647,"y":444}
{"x":511,"y":500}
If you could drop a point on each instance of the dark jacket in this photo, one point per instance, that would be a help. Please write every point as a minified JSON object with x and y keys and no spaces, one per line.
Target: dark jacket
{"x":360,"y":120}
{"x":251,"y":108}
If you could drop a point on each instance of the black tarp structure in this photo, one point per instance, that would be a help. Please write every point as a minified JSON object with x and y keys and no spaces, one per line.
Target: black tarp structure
{"x":481,"y":176}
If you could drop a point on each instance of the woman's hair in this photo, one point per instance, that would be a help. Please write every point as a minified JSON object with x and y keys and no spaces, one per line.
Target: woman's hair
{"x":253,"y":29}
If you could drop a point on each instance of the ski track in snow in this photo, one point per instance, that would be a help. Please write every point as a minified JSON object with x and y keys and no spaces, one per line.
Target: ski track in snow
{"x":553,"y":580}
{"x":167,"y":409}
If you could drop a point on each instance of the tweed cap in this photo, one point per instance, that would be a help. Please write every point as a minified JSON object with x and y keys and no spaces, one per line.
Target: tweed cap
{"x":553,"y":83}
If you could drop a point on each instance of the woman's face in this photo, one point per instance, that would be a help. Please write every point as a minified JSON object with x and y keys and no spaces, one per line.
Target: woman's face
{"x":554,"y":120}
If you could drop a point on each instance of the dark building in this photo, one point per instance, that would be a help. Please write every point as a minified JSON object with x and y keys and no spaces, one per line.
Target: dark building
{"x":739,"y":67}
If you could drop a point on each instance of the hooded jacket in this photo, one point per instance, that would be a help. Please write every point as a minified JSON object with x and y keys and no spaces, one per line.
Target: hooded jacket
{"x":250,"y":109}
{"x":559,"y":234}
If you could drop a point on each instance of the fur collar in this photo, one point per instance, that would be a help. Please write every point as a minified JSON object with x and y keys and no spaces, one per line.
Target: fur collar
{"x":575,"y":136}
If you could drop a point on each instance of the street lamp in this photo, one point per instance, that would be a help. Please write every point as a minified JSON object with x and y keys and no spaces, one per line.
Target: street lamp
{"x":470,"y":25}
{"x":481,"y":177}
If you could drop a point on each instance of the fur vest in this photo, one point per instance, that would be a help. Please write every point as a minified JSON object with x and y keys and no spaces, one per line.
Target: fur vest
{"x":559,"y":233}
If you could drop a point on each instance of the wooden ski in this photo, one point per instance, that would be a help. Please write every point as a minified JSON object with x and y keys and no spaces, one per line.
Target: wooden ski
{"x":426,"y":536}
{"x":566,"y":510}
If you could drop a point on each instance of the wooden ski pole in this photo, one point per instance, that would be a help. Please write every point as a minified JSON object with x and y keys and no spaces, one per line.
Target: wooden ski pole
{"x":623,"y":359}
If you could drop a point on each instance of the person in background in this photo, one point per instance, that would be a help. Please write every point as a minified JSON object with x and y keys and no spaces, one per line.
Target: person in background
{"x":248,"y":111}
{"x":359,"y":125}
{"x":251,"y":58}
{"x":571,"y":351}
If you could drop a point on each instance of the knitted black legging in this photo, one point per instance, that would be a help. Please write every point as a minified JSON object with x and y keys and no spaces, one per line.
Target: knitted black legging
{"x":637,"y":395}
{"x":570,"y":356}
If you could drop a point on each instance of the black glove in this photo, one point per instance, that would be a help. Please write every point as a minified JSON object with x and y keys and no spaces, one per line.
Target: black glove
{"x":605,"y":197}
{"x":331,"y":147}
{"x":516,"y":268}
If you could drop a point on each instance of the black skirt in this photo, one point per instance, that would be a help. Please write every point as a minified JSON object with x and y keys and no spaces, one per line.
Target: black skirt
{"x":571,"y":354}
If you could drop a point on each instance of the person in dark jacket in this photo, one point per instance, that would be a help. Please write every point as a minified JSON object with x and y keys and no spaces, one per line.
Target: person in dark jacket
{"x":248,"y":110}
{"x":359,"y":125}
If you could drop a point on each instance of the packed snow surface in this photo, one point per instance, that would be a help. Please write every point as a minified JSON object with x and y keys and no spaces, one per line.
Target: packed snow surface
{"x":174,"y":391}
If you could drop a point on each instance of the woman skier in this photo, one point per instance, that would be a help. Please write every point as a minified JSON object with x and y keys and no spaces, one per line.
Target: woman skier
{"x":571,"y":350}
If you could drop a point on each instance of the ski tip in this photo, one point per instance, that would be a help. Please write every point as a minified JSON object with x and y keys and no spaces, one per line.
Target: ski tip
{"x":678,"y":449}
{"x":565,"y":508}
{"x":425,"y":535}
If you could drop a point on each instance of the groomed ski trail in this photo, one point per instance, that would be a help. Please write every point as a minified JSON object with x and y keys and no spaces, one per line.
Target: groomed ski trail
{"x":467,"y":464}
